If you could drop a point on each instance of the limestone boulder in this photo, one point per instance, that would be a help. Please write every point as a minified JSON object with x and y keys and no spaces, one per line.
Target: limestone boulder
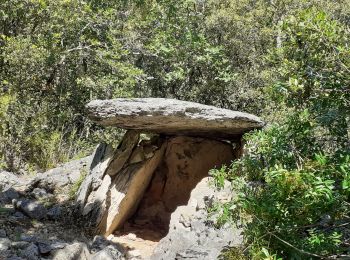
{"x":11,"y":180}
{"x":172,"y":117}
{"x":60,"y":177}
{"x":31,"y":208}
{"x":101,"y":158}
{"x":76,"y":251}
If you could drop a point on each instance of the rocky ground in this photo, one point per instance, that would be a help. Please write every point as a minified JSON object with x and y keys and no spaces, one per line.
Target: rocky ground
{"x":38,"y":221}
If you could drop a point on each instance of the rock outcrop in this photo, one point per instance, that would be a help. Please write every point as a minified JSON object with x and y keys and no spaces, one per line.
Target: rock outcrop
{"x":172,"y":117}
{"x":57,"y":179}
{"x":140,"y":188}
{"x":192,"y":234}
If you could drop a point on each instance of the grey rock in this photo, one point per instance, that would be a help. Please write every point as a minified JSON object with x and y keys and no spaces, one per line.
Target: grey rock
{"x":31,"y":252}
{"x":9,"y":179}
{"x":31,"y":208}
{"x":172,"y":117}
{"x":108,"y":253}
{"x":28,"y":238}
{"x":58,"y":245}
{"x":14,"y":257}
{"x":99,"y":243}
{"x":76,"y":251}
{"x":8,"y":194}
{"x":44,"y":248}
{"x":195,"y":254}
{"x":40,"y":193}
{"x":122,"y":154}
{"x":3,"y":233}
{"x":18,"y":216}
{"x":54,"y":213}
{"x":134,"y":254}
{"x":99,"y":163}
{"x":5,"y":244}
{"x":19,"y":244}
{"x":59,"y":177}
{"x":191,"y":234}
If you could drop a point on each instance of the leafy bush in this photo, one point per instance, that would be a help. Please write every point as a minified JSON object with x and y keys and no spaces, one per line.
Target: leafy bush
{"x":293,"y":180}
{"x":55,"y":56}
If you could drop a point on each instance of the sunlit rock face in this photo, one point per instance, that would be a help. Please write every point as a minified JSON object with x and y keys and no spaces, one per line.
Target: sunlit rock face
{"x":172,"y":117}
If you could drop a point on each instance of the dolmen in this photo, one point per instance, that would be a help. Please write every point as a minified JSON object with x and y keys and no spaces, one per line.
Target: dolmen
{"x":168,"y":148}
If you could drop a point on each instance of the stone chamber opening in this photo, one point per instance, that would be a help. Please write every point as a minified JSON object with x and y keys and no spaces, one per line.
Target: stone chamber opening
{"x":185,"y":162}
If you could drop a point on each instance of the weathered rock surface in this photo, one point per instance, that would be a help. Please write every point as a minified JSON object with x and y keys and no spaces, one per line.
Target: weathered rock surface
{"x":31,"y":252}
{"x":96,"y":170}
{"x":122,"y":154}
{"x":191,"y":234}
{"x":54,"y":213}
{"x":31,"y":208}
{"x":103,"y":249}
{"x":44,"y":248}
{"x":5,"y":244}
{"x":58,"y":178}
{"x":126,"y":192}
{"x":8,"y":194}
{"x":76,"y":251}
{"x":108,"y":253}
{"x":3,"y":233}
{"x":172,"y":117}
{"x":9,"y":179}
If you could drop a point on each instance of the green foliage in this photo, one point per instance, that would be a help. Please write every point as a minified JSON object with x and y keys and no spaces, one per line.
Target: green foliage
{"x":55,"y":56}
{"x":293,"y":181}
{"x":233,"y":254}
{"x":314,"y":71}
{"x":75,"y":187}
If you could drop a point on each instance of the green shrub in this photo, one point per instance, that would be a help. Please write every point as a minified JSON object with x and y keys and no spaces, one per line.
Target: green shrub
{"x":293,"y":180}
{"x":75,"y":187}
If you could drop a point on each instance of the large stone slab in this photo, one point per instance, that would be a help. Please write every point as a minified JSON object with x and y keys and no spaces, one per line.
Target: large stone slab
{"x":172,"y":117}
{"x":126,"y":191}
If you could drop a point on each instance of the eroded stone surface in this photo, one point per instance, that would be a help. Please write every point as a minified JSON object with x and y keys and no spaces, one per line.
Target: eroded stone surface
{"x":73,"y":252}
{"x":126,"y":191}
{"x":99,"y":163}
{"x":56,"y":179}
{"x":123,"y":152}
{"x":31,"y":208}
{"x":191,"y":235}
{"x":9,"y":179}
{"x":172,"y":117}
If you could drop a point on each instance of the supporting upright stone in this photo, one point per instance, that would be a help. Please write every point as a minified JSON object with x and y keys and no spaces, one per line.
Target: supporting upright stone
{"x":101,"y":157}
{"x":122,"y":154}
{"x":92,"y":194}
{"x":126,"y":192}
